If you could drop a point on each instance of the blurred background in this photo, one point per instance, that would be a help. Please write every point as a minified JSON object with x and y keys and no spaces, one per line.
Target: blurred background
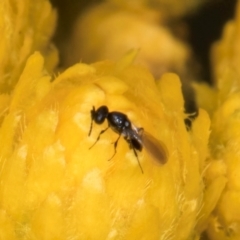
{"x":203,"y":23}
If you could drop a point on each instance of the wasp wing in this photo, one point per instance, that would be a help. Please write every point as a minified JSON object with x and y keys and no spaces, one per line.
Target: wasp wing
{"x":156,"y":148}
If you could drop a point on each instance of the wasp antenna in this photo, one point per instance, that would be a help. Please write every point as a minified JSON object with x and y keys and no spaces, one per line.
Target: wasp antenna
{"x":92,"y":117}
{"x":90,"y":130}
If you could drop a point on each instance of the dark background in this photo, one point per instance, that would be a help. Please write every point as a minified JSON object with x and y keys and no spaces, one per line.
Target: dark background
{"x":205,"y":26}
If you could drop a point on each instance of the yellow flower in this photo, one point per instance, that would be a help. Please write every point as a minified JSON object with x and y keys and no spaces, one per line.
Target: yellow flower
{"x":54,"y":187}
{"x":175,"y":8}
{"x":107,"y":31}
{"x":25,"y":26}
{"x":222,"y":175}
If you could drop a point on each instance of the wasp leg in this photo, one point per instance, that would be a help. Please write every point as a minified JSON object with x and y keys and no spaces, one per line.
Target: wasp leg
{"x":135,"y":153}
{"x":115,"y":147}
{"x":99,"y":135}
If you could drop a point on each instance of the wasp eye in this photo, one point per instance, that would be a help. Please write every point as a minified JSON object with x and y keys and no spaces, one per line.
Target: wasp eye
{"x":100,"y":119}
{"x":101,"y":114}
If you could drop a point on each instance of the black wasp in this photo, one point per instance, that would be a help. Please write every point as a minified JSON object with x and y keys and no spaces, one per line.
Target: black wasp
{"x":136,"y":138}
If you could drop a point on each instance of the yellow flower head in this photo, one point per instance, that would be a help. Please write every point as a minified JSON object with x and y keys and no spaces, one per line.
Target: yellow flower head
{"x":222,"y":175}
{"x":54,"y":187}
{"x":25,"y":26}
